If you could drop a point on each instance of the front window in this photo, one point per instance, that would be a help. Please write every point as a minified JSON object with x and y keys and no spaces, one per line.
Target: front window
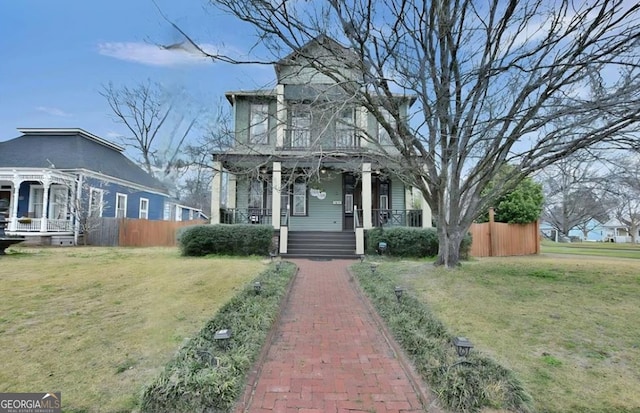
{"x":259,"y":127}
{"x":36,"y":201}
{"x":144,"y":208}
{"x":121,"y":206}
{"x":59,"y":202}
{"x":299,"y":198}
{"x":256,"y":192}
{"x":96,"y":203}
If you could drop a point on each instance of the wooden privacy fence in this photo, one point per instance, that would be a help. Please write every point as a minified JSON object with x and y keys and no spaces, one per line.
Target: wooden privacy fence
{"x":496,"y":239}
{"x":137,"y":232}
{"x":145,"y":233}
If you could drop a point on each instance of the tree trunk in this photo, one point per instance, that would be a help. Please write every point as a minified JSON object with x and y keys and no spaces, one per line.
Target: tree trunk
{"x":449,"y":241}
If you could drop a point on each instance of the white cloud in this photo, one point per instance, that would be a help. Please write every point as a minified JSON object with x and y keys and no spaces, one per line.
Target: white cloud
{"x":154,"y":55}
{"x":54,"y":111}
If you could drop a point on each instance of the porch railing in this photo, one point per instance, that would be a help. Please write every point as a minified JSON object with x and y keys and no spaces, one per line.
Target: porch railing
{"x":248,"y":216}
{"x":396,"y":217}
{"x":35,"y":225}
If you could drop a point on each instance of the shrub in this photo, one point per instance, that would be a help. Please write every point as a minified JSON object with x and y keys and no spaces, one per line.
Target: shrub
{"x":463,"y":385}
{"x":410,"y":242}
{"x":191,"y":381}
{"x":225,"y":239}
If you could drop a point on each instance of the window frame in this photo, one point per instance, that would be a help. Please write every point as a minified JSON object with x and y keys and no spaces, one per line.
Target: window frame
{"x":100,"y":203}
{"x":259,"y":123}
{"x":304,"y":196}
{"x":34,"y":191}
{"x":119,"y":207}
{"x":143,"y":213}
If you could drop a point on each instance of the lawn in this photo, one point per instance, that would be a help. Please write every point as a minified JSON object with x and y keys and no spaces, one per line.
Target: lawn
{"x":99,"y":323}
{"x":606,"y":249}
{"x":568,"y":326}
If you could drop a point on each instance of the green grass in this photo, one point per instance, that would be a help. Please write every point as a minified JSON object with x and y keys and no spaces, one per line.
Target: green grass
{"x":98,"y":324}
{"x":605,"y":249}
{"x":567,"y":326}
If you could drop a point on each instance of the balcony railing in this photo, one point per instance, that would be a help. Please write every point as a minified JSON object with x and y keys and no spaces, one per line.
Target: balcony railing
{"x":301,"y":139}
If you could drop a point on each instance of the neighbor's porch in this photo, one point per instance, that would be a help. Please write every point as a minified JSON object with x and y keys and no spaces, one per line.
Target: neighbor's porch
{"x":37,"y":201}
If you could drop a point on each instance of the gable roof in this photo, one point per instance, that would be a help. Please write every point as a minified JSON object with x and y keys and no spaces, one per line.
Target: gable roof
{"x":70,"y":149}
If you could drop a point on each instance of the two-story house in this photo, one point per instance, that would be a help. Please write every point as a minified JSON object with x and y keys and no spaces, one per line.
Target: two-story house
{"x":302,"y":161}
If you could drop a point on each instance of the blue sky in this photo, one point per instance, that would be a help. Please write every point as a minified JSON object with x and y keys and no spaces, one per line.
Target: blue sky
{"x":56,"y":55}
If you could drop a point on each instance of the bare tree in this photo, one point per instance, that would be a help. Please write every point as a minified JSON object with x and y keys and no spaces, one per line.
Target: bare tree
{"x":624,"y":186}
{"x":575,"y":196}
{"x":157,"y":129}
{"x":520,"y":82}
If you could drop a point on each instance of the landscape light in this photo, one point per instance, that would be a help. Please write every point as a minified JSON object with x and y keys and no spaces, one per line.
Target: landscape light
{"x":362,"y":258}
{"x":374,"y":267}
{"x":257,"y":287}
{"x":463,"y":346}
{"x":398,"y":291}
{"x":222,"y":337}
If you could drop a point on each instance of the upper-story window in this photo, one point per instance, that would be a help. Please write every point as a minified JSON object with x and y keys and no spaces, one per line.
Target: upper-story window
{"x":259,"y":126}
{"x":300,"y":130}
{"x":383,"y":134}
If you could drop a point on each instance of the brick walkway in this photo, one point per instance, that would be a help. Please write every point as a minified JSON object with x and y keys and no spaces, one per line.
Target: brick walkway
{"x":328,"y":354}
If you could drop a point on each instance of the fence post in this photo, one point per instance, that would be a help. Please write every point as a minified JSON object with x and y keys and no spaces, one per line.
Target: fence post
{"x":492,"y":241}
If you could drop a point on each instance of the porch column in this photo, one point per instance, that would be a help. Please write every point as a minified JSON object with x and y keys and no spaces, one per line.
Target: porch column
{"x":366,"y":196}
{"x":232,"y":192}
{"x":215,"y":192}
{"x":276,"y":182}
{"x":281,"y":116}
{"x":13,"y":217}
{"x":46,"y":183}
{"x":426,"y":212}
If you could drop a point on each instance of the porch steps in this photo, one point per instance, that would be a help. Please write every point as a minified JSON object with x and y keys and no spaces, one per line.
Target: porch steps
{"x":321,"y":244}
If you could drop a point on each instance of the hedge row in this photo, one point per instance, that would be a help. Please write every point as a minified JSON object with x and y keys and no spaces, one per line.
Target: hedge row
{"x":207,"y":376}
{"x":410,"y":242}
{"x":225,"y":239}
{"x":462,"y":385}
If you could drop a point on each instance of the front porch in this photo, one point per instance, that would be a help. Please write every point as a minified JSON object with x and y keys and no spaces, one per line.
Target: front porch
{"x":37,"y":202}
{"x":327,"y":199}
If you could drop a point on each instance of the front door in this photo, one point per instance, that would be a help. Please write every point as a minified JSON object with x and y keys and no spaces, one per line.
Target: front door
{"x":352,"y":195}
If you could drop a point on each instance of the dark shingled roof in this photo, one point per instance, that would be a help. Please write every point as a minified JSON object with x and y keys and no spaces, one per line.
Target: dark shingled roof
{"x":72,"y":149}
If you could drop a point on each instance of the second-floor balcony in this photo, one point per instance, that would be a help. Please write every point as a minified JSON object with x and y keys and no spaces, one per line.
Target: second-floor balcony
{"x":304,"y":139}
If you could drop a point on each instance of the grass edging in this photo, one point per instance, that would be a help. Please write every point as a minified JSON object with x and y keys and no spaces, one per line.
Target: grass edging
{"x":207,"y":376}
{"x":464,"y":385}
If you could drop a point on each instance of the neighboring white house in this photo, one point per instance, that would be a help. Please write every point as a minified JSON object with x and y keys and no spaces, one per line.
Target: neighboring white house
{"x":616,"y":231}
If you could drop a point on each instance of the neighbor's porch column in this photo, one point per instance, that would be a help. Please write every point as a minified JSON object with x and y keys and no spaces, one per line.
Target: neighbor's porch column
{"x":276,"y":183}
{"x":46,"y":183}
{"x":13,"y":218}
{"x":215,"y":192}
{"x":281,"y":116}
{"x":366,"y":196}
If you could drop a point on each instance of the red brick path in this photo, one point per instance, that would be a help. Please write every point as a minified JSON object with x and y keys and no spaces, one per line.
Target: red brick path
{"x":328,"y":355}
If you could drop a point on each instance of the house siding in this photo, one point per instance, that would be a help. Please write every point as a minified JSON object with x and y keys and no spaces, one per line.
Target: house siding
{"x":323,"y":214}
{"x":156,"y":201}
